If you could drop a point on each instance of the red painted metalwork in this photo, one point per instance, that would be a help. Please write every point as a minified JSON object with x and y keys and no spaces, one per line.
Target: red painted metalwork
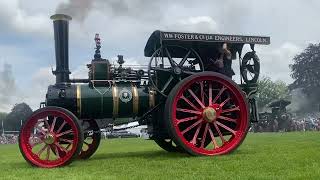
{"x":209,"y":115}
{"x":50,"y":138}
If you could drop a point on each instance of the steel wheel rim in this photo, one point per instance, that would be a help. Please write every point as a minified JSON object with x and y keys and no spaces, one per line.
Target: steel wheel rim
{"x":199,"y":125}
{"x":56,"y":154}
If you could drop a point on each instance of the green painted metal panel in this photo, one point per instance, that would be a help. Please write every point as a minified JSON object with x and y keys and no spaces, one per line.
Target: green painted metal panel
{"x":105,"y":102}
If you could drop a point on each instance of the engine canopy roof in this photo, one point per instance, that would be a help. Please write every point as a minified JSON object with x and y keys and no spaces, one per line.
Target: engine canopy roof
{"x":200,"y":41}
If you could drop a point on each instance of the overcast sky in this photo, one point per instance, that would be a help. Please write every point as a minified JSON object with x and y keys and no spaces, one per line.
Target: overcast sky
{"x":27,"y":47}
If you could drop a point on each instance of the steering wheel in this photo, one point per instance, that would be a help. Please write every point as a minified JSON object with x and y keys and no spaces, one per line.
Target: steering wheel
{"x":250,"y":67}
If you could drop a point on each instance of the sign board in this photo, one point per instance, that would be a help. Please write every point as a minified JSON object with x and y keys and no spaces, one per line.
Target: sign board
{"x":177,"y":36}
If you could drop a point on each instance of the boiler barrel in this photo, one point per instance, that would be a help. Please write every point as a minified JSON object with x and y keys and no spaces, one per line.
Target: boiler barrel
{"x":121,"y":100}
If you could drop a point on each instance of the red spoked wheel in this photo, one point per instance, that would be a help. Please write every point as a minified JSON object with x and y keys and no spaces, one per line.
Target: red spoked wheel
{"x":50,"y":138}
{"x":207,"y":114}
{"x":92,"y":138}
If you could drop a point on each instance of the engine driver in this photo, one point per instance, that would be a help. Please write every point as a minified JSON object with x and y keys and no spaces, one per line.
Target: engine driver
{"x":222,"y":64}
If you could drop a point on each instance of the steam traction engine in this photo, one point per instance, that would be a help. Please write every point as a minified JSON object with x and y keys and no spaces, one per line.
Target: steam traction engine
{"x":186,"y":97}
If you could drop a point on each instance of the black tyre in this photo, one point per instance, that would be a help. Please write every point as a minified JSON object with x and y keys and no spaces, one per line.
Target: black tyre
{"x":92,"y":138}
{"x":168,"y":145}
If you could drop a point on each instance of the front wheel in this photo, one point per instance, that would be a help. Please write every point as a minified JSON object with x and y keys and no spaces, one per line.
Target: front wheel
{"x":51,"y":137}
{"x":207,"y":114}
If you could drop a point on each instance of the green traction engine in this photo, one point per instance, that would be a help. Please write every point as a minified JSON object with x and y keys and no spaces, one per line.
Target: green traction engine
{"x":185,"y":94}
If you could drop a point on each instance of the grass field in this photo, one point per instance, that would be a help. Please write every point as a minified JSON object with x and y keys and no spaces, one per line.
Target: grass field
{"x":261,"y":156}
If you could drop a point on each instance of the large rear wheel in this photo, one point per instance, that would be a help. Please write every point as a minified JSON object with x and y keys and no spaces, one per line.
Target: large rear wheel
{"x":207,"y":114}
{"x":50,"y":138}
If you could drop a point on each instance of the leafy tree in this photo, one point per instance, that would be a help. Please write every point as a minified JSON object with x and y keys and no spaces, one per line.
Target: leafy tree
{"x":269,"y":91}
{"x":306,"y":73}
{"x":3,"y":116}
{"x":20,"y":112}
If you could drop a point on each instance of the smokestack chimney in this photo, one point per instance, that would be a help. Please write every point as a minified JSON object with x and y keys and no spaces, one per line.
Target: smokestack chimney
{"x":61,"y":32}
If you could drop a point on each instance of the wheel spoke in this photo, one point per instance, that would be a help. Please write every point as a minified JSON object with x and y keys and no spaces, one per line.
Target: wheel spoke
{"x":56,"y":151}
{"x":167,"y":84}
{"x":170,"y":58}
{"x":46,"y":123}
{"x":62,"y":125}
{"x":231,"y":109}
{"x":187,"y":119}
{"x":227,"y":119}
{"x":41,"y":150}
{"x":61,"y":148}
{"x":64,"y":133}
{"x":219,"y":94}
{"x":226,"y":128}
{"x":184,"y":58}
{"x":195,"y":136}
{"x":202,"y":93}
{"x":196,"y":98}
{"x":160,"y":69}
{"x":189,"y":72}
{"x":66,"y":140}
{"x":204,"y":136}
{"x":36,"y":143}
{"x":190,"y":103}
{"x":219,"y":132}
{"x":53,"y":124}
{"x":213,"y":139}
{"x":224,"y":102}
{"x":250,"y":73}
{"x":48,"y":153}
{"x":245,"y":72}
{"x":192,"y":126}
{"x":251,"y":68}
{"x":68,"y":146}
{"x":210,"y":94}
{"x":189,"y":111}
{"x":41,"y":130}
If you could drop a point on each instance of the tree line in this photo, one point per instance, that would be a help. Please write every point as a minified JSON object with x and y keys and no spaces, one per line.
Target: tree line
{"x":12,"y":121}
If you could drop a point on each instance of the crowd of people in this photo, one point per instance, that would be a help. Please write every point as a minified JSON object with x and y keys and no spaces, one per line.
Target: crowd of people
{"x":305,"y":125}
{"x":8,"y":139}
{"x":287,"y":125}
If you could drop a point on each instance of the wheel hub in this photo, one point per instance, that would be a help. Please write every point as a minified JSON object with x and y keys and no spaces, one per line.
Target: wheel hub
{"x":49,"y":138}
{"x":177,"y":70}
{"x":209,"y":114}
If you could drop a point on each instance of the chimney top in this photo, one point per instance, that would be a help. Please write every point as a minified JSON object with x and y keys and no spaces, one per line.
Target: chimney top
{"x":57,"y":17}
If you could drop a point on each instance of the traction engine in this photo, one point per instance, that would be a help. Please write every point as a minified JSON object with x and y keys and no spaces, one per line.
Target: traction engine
{"x":185,"y":96}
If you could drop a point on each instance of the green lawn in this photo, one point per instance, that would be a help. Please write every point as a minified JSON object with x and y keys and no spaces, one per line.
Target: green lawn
{"x":261,"y":156}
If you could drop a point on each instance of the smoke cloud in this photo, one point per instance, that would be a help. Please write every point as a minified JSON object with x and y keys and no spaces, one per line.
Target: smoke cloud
{"x":78,"y":9}
{"x":139,"y":9}
{"x":8,"y":87}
